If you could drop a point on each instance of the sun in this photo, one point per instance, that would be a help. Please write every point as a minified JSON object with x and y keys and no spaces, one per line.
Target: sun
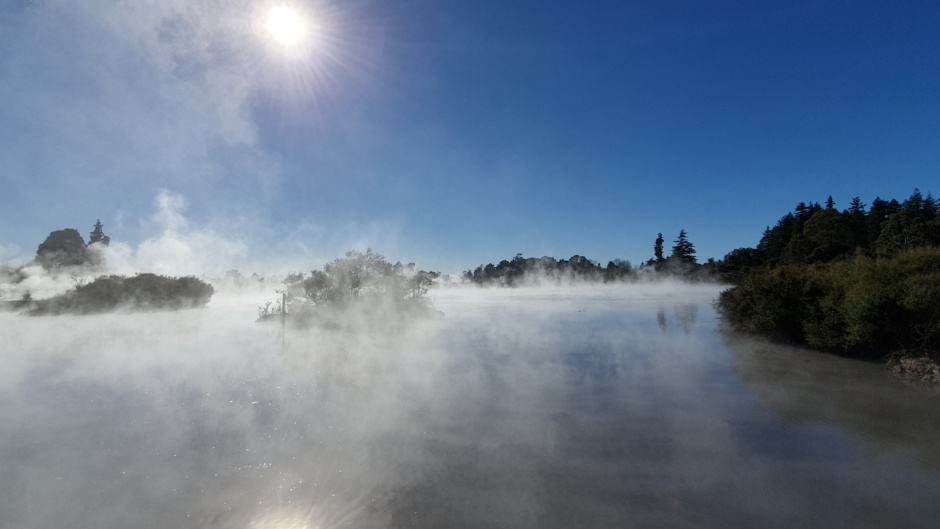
{"x":285,"y":26}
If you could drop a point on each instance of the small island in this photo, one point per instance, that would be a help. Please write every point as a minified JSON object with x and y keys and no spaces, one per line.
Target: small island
{"x":64,"y":256}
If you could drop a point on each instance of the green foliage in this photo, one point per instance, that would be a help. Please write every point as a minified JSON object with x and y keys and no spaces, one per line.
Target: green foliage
{"x":548,"y":270}
{"x":142,"y":292}
{"x":905,"y":230}
{"x":533,"y":270}
{"x":738,"y":261}
{"x":813,"y":234}
{"x":828,"y":235}
{"x":859,"y":306}
{"x":364,"y":280}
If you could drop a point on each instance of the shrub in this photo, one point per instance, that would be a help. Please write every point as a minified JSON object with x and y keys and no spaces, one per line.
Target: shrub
{"x":142,"y":292}
{"x":365,"y":282}
{"x":859,"y":307}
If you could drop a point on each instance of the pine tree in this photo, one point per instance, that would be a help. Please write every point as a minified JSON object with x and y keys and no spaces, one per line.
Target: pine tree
{"x":930,"y":207}
{"x":803,"y":212}
{"x":98,"y":235}
{"x":914,"y":204}
{"x":658,"y":248}
{"x":856,"y":208}
{"x":877,"y":215}
{"x":683,"y":251}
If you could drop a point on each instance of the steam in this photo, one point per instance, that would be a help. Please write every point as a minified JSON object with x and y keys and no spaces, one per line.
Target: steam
{"x":164,"y":87}
{"x":535,"y":405}
{"x":178,"y":248}
{"x":173,"y":244}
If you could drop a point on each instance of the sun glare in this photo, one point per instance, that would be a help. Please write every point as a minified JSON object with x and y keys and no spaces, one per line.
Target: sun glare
{"x":285,"y":26}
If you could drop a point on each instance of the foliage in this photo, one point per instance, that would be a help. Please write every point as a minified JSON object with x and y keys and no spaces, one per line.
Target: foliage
{"x":534,"y":270}
{"x":739,"y":261}
{"x":658,"y":248}
{"x":142,"y":292}
{"x":859,"y":307}
{"x":538,"y":270}
{"x":813,"y":234}
{"x":683,"y":251}
{"x":98,"y":236}
{"x":65,"y":248}
{"x":359,"y":280}
{"x":62,"y":248}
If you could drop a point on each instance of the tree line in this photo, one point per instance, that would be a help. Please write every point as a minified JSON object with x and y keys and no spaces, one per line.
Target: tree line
{"x":859,"y":282}
{"x":681,"y":262}
{"x":814,"y":233}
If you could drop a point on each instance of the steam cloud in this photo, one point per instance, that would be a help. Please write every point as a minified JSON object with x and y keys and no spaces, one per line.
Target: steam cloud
{"x":530,"y":407}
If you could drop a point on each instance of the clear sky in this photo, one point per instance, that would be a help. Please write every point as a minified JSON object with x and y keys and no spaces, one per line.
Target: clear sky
{"x":453,"y":133}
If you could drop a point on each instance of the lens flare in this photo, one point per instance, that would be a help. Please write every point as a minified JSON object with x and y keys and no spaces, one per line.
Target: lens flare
{"x":285,"y":26}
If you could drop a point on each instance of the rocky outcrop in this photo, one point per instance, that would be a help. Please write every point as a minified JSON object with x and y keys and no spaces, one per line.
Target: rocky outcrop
{"x":914,"y":366}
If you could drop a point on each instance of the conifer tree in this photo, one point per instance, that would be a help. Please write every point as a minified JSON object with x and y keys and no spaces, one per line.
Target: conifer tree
{"x":658,"y":248}
{"x":683,"y":251}
{"x":856,"y":208}
{"x":98,"y":235}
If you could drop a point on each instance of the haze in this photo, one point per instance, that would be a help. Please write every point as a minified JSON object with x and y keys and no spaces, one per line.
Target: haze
{"x":450,"y":133}
{"x":589,"y":406}
{"x":211,"y":137}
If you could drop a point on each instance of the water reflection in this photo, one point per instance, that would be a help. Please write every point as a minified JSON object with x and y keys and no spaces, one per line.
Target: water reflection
{"x":519,"y":409}
{"x":889,"y":415}
{"x":685,"y":315}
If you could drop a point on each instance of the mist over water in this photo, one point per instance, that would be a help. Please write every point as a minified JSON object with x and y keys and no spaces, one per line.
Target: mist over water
{"x":585,"y":407}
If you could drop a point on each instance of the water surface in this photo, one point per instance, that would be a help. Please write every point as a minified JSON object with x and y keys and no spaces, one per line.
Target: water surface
{"x":600,"y":407}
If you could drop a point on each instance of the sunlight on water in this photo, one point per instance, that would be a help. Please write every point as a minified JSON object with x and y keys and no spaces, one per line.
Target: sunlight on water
{"x":282,"y":521}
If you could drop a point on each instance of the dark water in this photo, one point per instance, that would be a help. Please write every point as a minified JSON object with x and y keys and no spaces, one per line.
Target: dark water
{"x":557,"y":408}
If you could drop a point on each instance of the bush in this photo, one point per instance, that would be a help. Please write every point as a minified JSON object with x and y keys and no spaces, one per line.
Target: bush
{"x":858,"y":307}
{"x":142,"y":292}
{"x":365,"y":282}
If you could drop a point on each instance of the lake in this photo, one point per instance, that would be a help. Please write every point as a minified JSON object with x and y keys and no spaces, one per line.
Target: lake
{"x":624,"y":406}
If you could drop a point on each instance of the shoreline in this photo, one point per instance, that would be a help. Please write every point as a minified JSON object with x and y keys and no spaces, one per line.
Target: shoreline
{"x":914,"y":366}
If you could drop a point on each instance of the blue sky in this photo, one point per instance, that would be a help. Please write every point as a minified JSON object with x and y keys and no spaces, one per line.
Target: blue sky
{"x":453,"y":133}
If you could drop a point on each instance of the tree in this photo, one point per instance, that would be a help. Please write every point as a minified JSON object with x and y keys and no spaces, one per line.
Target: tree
{"x":914,"y":204}
{"x":930,"y":206}
{"x":142,"y":292}
{"x":856,"y":208}
{"x":683,"y":251}
{"x":98,"y":235}
{"x":877,"y":215}
{"x":857,"y":222}
{"x":830,"y":204}
{"x":62,"y":248}
{"x":738,"y":260}
{"x":658,"y":248}
{"x":359,"y":276}
{"x":803,"y":212}
{"x":902,"y":231}
{"x":775,"y":240}
{"x":743,"y":258}
{"x":829,"y":235}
